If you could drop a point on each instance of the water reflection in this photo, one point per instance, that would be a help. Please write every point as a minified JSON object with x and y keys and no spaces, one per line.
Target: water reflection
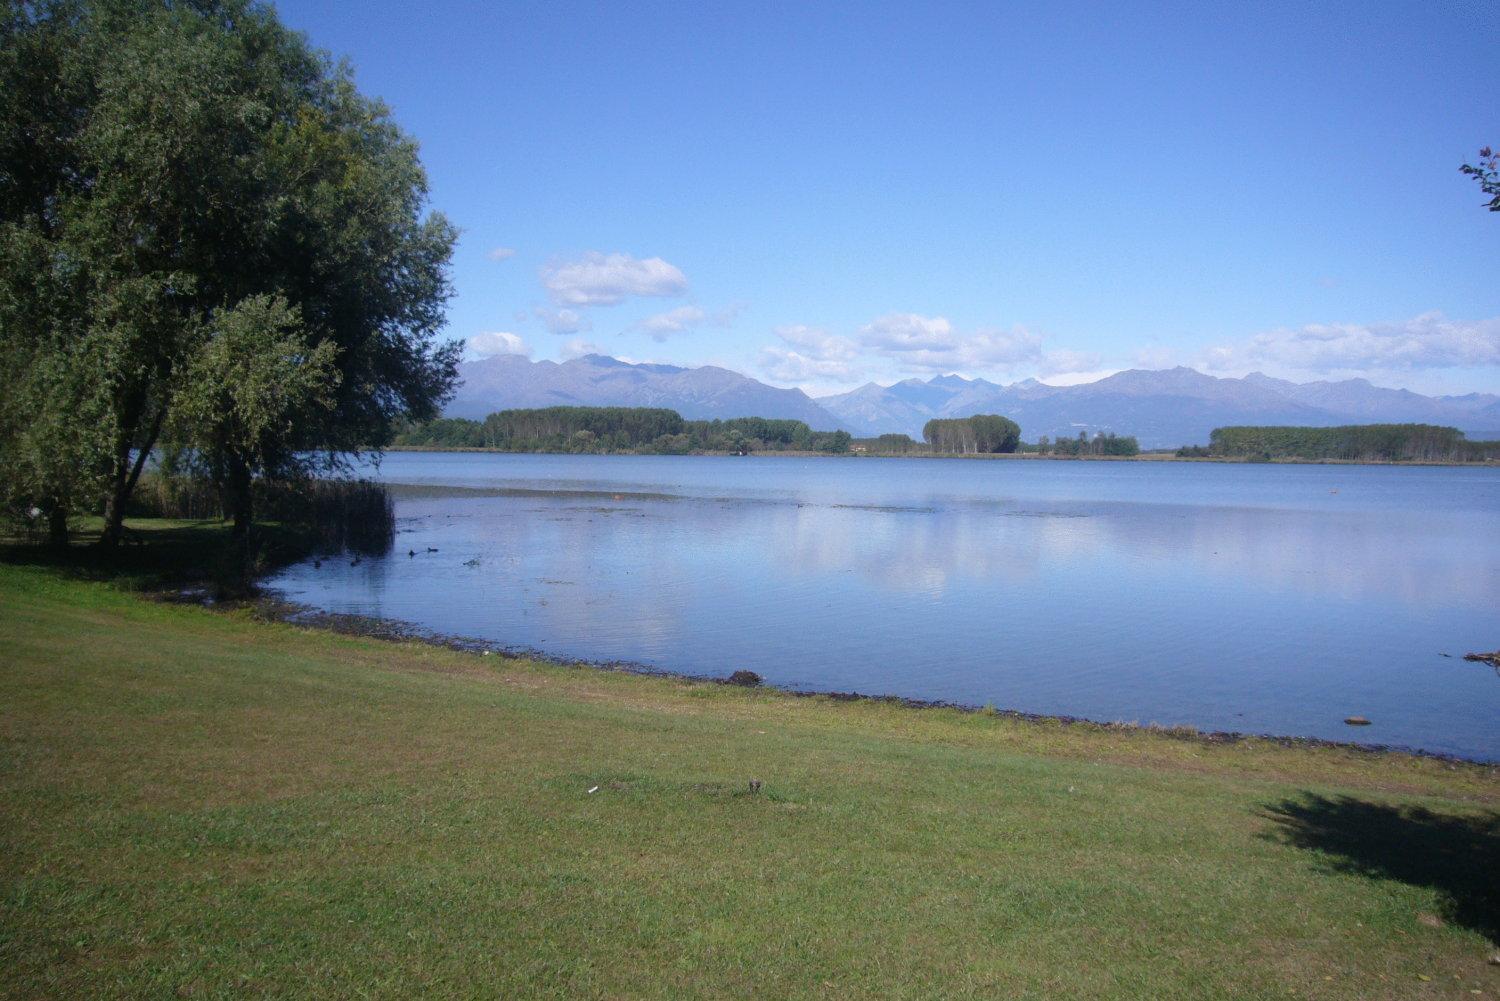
{"x":1281,"y":615}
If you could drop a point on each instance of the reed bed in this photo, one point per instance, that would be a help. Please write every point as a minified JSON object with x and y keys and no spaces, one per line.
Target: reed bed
{"x":342,"y":514}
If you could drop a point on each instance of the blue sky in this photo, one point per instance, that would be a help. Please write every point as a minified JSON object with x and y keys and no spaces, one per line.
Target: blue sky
{"x":823,"y":194}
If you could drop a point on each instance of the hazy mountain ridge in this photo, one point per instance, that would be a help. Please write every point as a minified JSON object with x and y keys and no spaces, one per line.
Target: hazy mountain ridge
{"x":1162,"y":408}
{"x":506,"y":382}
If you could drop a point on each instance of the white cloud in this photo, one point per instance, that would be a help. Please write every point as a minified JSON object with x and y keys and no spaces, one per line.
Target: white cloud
{"x":673,"y":321}
{"x":930,"y":343}
{"x":1063,"y":363}
{"x":608,"y":279}
{"x":685,"y":318}
{"x":812,"y":355}
{"x":909,"y":332}
{"x":1427,"y":341}
{"x":501,"y":253}
{"x":578,"y":347}
{"x":785,"y":365}
{"x":564,"y":321}
{"x":819,"y":343}
{"x":497,"y":342}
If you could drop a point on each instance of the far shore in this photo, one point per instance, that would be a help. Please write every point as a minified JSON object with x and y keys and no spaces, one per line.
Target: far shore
{"x":1142,"y":457}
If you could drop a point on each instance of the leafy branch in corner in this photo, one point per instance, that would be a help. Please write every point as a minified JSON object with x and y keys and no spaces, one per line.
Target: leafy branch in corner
{"x":1487,"y":173}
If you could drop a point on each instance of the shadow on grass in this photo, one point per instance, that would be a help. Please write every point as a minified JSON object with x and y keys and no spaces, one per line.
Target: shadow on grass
{"x":159,"y":554}
{"x":1457,"y":855}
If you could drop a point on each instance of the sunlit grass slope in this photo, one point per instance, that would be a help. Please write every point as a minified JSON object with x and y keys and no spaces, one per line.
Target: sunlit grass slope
{"x":199,"y":804}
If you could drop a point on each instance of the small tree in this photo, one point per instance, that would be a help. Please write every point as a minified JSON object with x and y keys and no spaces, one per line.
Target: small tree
{"x":252,"y":383}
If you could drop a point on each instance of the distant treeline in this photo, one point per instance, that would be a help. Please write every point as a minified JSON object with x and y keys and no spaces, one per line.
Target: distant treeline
{"x":988,"y":433}
{"x":1359,"y":442}
{"x":979,"y":435}
{"x":1104,"y":443}
{"x":620,"y":429}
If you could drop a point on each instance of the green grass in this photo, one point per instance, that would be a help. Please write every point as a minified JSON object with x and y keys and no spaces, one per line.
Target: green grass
{"x":200,"y":804}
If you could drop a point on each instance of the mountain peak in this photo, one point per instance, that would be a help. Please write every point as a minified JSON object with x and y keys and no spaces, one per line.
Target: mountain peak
{"x":952,"y":381}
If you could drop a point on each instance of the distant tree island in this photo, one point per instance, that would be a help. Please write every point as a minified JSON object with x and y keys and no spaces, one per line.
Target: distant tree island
{"x":659,"y":431}
{"x":1349,"y":443}
{"x":607,"y":430}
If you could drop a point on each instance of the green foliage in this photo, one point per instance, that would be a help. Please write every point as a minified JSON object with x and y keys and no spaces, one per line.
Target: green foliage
{"x":971,"y":435}
{"x":887,"y":444}
{"x":1104,"y":443}
{"x":620,"y":429}
{"x":324,"y":514}
{"x":249,"y":387}
{"x":164,"y":165}
{"x":555,"y":429}
{"x":1368,"y":442}
{"x":445,"y":432}
{"x":1487,"y":173}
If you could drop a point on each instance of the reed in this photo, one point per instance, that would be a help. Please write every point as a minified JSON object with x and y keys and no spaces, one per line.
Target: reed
{"x":340,"y":514}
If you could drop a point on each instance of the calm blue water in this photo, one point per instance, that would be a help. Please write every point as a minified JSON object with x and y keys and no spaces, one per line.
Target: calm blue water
{"x":1270,"y":599}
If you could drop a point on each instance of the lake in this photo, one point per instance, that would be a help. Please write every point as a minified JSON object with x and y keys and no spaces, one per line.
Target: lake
{"x":1274,"y":599}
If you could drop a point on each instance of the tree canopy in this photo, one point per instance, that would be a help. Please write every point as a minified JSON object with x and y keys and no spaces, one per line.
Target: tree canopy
{"x":1381,"y":442}
{"x":208,"y":236}
{"x":621,"y":429}
{"x":980,"y":433}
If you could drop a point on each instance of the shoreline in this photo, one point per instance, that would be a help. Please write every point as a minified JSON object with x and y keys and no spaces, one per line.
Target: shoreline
{"x":294,"y":812}
{"x":270,"y":607}
{"x":988,"y":456}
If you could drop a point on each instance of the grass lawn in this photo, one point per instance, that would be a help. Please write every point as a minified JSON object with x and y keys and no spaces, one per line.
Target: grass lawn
{"x":198,"y":804}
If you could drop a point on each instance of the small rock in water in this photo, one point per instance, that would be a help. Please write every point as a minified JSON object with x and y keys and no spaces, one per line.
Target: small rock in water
{"x":1357,"y":721}
{"x":749,"y":679}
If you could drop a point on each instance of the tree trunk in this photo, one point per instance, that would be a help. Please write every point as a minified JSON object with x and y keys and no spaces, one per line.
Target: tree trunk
{"x":123,"y":478}
{"x":114,"y":502}
{"x":57,"y":525}
{"x":239,"y":487}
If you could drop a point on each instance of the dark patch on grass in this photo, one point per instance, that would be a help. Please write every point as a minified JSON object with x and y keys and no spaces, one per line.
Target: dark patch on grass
{"x":188,"y":554}
{"x":1457,"y":855}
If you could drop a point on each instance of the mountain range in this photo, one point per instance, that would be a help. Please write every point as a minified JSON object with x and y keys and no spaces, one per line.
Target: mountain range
{"x":510,"y":381}
{"x":1162,"y":408}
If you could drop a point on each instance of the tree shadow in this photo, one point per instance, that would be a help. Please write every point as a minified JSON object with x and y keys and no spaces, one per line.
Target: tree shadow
{"x":1458,"y":855}
{"x":160,"y":554}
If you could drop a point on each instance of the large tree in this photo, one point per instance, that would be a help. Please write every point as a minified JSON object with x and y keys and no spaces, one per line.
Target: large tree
{"x":180,"y":176}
